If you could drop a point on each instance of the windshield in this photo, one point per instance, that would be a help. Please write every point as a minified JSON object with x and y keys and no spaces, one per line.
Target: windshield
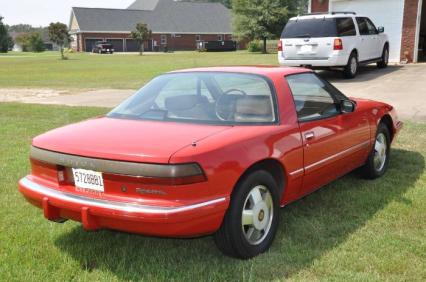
{"x":202,"y":97}
{"x":323,"y":27}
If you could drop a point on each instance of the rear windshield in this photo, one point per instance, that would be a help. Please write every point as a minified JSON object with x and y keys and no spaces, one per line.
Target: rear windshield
{"x":202,"y":97}
{"x":322,"y":27}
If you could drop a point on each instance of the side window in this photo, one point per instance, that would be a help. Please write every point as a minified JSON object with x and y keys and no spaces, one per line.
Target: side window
{"x":312,"y":97}
{"x":371,"y":27}
{"x":345,"y":27}
{"x":362,"y":26}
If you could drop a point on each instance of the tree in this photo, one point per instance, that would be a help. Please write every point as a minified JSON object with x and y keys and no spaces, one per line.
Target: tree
{"x":36,"y":42}
{"x":30,"y":42}
{"x":5,"y":38}
{"x":58,"y":33}
{"x":262,"y":19}
{"x":141,"y":34}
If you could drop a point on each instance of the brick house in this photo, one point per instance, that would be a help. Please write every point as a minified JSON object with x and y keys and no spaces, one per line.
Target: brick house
{"x":175,"y":25}
{"x":404,"y":22}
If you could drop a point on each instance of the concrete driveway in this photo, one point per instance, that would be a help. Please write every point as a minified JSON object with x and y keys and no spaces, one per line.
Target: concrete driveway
{"x":402,"y":86}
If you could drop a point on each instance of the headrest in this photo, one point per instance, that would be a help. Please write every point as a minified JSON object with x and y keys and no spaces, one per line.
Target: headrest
{"x":184,"y":102}
{"x":259,"y":105}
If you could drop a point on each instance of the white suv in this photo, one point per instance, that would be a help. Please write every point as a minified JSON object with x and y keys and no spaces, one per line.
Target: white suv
{"x":337,"y":39}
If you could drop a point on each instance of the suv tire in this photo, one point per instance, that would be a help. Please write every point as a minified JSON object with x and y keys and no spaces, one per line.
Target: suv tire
{"x":383,"y":63}
{"x":351,"y":69}
{"x":251,"y":221}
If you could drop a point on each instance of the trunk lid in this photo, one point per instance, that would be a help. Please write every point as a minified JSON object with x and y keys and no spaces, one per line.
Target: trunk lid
{"x":125,"y":140}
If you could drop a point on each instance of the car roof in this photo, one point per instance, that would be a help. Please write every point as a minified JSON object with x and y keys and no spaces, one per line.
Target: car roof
{"x":261,"y":70}
{"x":327,"y":16}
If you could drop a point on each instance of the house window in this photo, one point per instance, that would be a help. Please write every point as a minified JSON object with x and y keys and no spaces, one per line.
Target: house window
{"x":163,"y":39}
{"x":220,"y":37}
{"x":197,"y":37}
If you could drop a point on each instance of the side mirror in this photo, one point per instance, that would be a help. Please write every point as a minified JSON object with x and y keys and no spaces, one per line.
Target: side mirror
{"x":381,"y":29}
{"x":347,"y":106}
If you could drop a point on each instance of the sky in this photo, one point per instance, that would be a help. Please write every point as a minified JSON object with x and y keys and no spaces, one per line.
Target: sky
{"x":43,"y":12}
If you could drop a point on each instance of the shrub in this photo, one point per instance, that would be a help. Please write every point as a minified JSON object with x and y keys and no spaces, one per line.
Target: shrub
{"x":254,"y":46}
{"x":30,"y":42}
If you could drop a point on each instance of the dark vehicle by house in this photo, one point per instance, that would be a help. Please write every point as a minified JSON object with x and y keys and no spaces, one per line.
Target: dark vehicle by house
{"x":103,"y":48}
{"x":218,"y":46}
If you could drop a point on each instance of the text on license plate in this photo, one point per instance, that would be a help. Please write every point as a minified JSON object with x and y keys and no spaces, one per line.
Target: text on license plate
{"x":88,"y":179}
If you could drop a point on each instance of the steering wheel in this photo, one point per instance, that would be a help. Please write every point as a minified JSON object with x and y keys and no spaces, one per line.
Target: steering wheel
{"x":225,"y":104}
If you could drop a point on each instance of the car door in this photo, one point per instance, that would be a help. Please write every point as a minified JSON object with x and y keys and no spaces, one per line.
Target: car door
{"x":334,"y":142}
{"x":366,"y":40}
{"x":376,"y":45}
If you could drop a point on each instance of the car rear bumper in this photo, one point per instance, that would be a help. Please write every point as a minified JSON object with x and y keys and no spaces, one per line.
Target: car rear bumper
{"x":336,"y":60}
{"x":178,"y":221}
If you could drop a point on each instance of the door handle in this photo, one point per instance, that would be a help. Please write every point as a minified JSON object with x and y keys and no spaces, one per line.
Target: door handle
{"x":309,"y":135}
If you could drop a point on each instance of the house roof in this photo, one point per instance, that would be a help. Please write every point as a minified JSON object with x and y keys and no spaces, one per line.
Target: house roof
{"x":168,"y":16}
{"x":147,"y":5}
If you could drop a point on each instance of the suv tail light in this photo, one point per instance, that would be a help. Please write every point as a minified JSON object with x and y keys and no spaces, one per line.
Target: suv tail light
{"x":280,"y":45}
{"x":338,"y":44}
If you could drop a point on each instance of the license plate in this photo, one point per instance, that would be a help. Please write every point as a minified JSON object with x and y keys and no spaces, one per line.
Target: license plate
{"x":88,"y":179}
{"x":306,"y":48}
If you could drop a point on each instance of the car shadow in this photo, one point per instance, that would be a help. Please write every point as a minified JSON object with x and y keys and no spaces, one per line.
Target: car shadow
{"x":365,"y":73}
{"x":309,"y":228}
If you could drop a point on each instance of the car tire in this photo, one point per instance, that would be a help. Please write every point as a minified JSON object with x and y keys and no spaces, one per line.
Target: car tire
{"x":351,"y":69}
{"x":378,"y":160}
{"x":383,"y":63}
{"x":251,"y":221}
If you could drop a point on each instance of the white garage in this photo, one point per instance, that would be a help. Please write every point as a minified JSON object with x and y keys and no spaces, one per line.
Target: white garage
{"x":390,"y":18}
{"x":404,"y":22}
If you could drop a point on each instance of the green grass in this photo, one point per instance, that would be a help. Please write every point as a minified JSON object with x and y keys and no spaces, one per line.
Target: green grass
{"x":82,"y":70}
{"x":352,"y":229}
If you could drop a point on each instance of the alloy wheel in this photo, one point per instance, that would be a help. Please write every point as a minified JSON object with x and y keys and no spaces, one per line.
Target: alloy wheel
{"x":380,"y":152}
{"x":257,"y":215}
{"x":353,"y":65}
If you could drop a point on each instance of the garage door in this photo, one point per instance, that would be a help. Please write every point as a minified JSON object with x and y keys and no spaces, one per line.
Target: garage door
{"x":132,"y":45}
{"x":387,"y":13}
{"x":117,"y":43}
{"x":90,"y":43}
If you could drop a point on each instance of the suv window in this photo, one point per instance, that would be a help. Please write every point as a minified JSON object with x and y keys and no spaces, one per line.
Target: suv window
{"x":323,"y":27}
{"x":366,"y":26}
{"x":314,"y":98}
{"x":345,"y":27}
{"x":371,"y":27}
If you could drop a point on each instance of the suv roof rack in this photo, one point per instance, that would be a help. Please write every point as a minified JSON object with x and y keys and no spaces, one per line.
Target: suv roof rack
{"x":328,"y":13}
{"x":339,"y":12}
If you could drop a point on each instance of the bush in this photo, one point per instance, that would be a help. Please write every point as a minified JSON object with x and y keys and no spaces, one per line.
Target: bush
{"x":36,"y":43}
{"x":254,"y":46}
{"x":30,"y":42}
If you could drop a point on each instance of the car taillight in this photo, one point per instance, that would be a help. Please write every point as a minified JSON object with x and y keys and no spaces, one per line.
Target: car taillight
{"x":179,"y":174}
{"x":338,"y":44}
{"x":280,"y":46}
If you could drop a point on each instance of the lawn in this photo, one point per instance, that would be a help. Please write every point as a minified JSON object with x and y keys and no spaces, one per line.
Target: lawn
{"x":130,"y":71}
{"x":352,"y":229}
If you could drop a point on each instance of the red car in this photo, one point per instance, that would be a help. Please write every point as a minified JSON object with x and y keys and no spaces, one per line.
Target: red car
{"x":209,"y":151}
